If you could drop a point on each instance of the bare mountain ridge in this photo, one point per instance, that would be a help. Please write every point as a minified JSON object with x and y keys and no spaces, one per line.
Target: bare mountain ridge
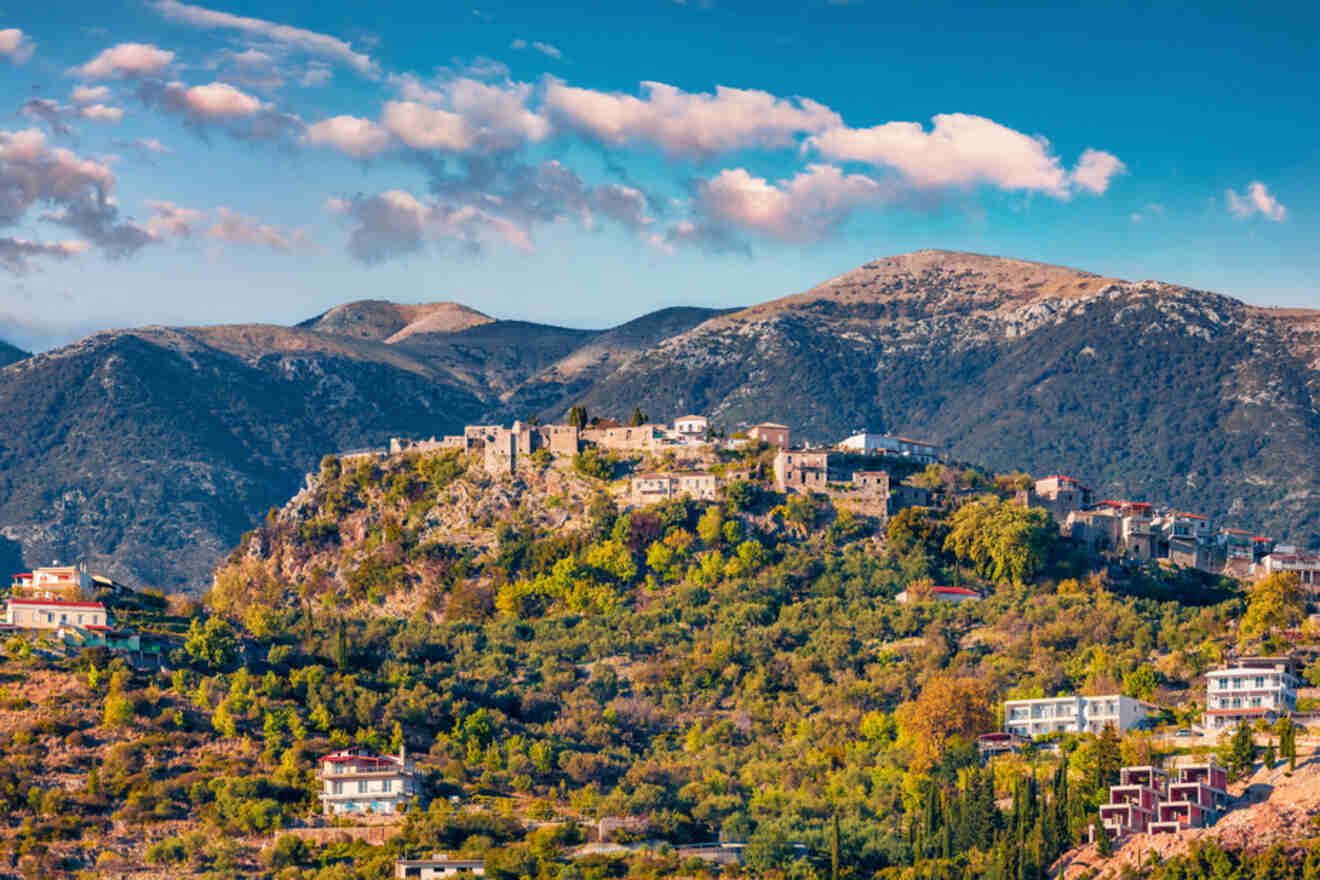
{"x":150,"y":451}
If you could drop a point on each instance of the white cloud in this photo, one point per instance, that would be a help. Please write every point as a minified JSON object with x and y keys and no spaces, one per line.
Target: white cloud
{"x":1256,"y":200}
{"x":307,"y":41}
{"x":359,"y":138}
{"x":219,"y":100}
{"x":546,"y":49}
{"x":16,"y":253}
{"x":101,"y":113}
{"x":221,"y":105}
{"x":426,"y":128}
{"x":15,"y":45}
{"x":803,"y":208}
{"x":145,"y":146}
{"x":688,"y":124}
{"x":316,"y":74}
{"x":959,"y":150}
{"x":1095,"y":169}
{"x":126,"y":60}
{"x":90,"y":94}
{"x":233,"y":227}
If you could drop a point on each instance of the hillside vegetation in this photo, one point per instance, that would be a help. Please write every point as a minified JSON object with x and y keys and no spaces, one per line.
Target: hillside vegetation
{"x":735,"y":670}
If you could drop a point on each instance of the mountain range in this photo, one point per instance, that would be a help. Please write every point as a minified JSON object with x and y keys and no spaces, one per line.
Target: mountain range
{"x":148,"y":452}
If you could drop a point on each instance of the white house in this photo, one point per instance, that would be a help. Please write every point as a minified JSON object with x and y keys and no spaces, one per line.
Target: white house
{"x":358,"y":780}
{"x":1250,"y":688}
{"x":1074,"y":714}
{"x":955,"y":595}
{"x":873,"y":444}
{"x":1289,"y":558}
{"x":55,"y":613}
{"x":430,"y":869}
{"x":691,"y":429}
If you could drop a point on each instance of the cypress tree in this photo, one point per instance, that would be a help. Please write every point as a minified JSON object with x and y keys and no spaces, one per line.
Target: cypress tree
{"x":834,"y":847}
{"x":1103,"y":845}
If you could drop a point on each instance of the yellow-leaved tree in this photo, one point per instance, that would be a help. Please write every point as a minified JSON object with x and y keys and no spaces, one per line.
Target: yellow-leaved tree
{"x":1277,"y":602}
{"x":949,"y":707}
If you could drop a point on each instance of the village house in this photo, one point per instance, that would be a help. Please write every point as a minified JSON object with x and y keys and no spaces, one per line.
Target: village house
{"x":999,"y":742}
{"x":631,"y":438}
{"x":801,"y":470}
{"x":871,"y":483}
{"x":954,"y":595}
{"x":1038,"y":717}
{"x":54,"y":614}
{"x":1286,"y":557}
{"x":691,"y":429}
{"x":1058,"y":495}
{"x":502,"y":449}
{"x":771,"y":433}
{"x":73,"y":582}
{"x":358,"y":780}
{"x":885,"y":444}
{"x":1250,"y":688}
{"x":440,"y":866}
{"x":649,"y":488}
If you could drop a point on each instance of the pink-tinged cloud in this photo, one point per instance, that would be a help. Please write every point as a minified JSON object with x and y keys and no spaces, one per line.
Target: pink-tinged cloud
{"x":1095,"y":169}
{"x":90,"y":94}
{"x":359,"y":138}
{"x":168,"y":220}
{"x":964,"y":150}
{"x":234,"y":228}
{"x":464,"y":114}
{"x":546,"y":49}
{"x":803,"y":208}
{"x":15,"y":46}
{"x":101,"y":113}
{"x":396,"y":223}
{"x":307,"y":41}
{"x":426,"y":128}
{"x":1256,"y":201}
{"x":16,"y":254}
{"x":688,"y":124}
{"x":126,"y":60}
{"x":219,"y":100}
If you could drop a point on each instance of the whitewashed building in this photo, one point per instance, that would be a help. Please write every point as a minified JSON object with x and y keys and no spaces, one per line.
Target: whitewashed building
{"x":358,"y":780}
{"x":432,"y":869}
{"x":955,"y":595}
{"x":1074,"y":714}
{"x":1250,"y":688}
{"x":691,"y":429}
{"x":876,"y":444}
{"x":55,"y":613}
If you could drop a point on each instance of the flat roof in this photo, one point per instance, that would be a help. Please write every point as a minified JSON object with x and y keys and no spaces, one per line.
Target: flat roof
{"x":59,"y":603}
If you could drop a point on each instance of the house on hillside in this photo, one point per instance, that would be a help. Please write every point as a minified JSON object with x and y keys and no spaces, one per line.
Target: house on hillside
{"x":801,"y":470}
{"x":648,"y":488}
{"x":1289,"y":558}
{"x":53,"y":614}
{"x":885,"y":444}
{"x":358,"y":780}
{"x":1146,"y":801}
{"x":1248,"y":689}
{"x":1058,"y":495}
{"x":770,"y":432}
{"x":435,"y":868}
{"x":691,"y":429}
{"x":1038,"y":717}
{"x":71,"y":582}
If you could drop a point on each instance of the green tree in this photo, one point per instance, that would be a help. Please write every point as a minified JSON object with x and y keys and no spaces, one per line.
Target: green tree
{"x":638,"y":417}
{"x":577,"y":416}
{"x":1103,"y":845}
{"x":1108,"y":759}
{"x":1140,"y":682}
{"x":1277,"y":602}
{"x":1003,"y":541}
{"x":1241,"y":750}
{"x":212,"y":643}
{"x":118,"y":710}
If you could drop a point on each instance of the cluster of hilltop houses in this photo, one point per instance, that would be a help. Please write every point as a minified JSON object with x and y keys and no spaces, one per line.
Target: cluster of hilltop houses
{"x":848,"y":467}
{"x":67,"y":602}
{"x":1139,"y":530}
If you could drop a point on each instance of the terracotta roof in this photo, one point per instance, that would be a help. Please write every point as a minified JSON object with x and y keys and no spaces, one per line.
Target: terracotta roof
{"x":956,"y":591}
{"x":61,"y":603}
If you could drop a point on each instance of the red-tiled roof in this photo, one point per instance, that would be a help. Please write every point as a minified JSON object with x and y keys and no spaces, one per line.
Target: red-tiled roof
{"x":1190,"y":515}
{"x":955,"y":591}
{"x":61,"y":603}
{"x":1261,"y":538}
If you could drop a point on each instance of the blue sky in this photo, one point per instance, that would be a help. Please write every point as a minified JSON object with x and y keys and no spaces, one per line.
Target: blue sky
{"x":169,"y":162}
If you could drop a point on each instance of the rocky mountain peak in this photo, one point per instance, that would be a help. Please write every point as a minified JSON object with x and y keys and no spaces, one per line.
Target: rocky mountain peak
{"x":386,"y":321}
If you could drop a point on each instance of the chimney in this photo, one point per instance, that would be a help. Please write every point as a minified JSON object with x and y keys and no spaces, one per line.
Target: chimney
{"x":403,"y":755}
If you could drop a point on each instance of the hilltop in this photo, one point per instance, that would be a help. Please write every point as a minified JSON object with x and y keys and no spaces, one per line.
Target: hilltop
{"x":1141,"y":389}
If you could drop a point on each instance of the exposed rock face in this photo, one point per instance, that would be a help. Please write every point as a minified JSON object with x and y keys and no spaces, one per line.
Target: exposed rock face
{"x":149,"y":452}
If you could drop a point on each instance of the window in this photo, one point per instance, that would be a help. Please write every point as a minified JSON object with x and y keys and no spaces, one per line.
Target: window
{"x":338,"y":787}
{"x":387,"y":785}
{"x":362,"y":786}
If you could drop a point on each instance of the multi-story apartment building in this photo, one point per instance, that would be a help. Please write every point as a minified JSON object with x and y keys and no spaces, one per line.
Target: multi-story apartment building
{"x":1250,"y":688}
{"x":1147,"y":801}
{"x":886,"y":444}
{"x":358,"y":780}
{"x":691,"y":429}
{"x":1073,"y":714}
{"x":435,"y":868}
